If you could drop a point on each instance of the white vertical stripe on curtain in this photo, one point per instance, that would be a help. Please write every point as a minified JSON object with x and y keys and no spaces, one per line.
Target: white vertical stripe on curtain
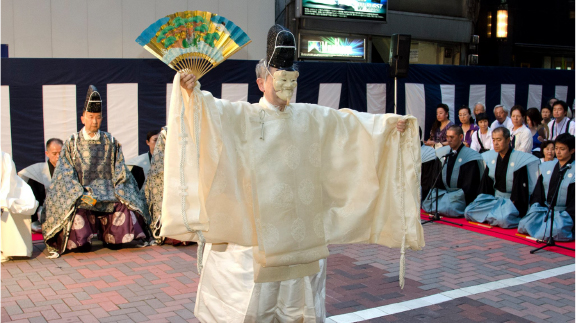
{"x":448,"y":92}
{"x":235,"y":91}
{"x":376,"y":97}
{"x":534,"y":96}
{"x":122,"y":116}
{"x":59,"y":111}
{"x":477,"y":94}
{"x":508,"y":95}
{"x":416,"y":104}
{"x":5,"y":127}
{"x":329,"y":95}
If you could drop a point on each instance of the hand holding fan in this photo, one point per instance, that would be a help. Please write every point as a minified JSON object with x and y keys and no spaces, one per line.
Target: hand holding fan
{"x":193,"y":42}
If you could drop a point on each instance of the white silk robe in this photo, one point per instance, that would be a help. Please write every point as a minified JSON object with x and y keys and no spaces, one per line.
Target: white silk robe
{"x":17,"y":203}
{"x":288,"y":184}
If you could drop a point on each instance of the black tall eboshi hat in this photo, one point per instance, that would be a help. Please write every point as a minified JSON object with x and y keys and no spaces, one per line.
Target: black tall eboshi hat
{"x":93,"y":102}
{"x":281,"y":48}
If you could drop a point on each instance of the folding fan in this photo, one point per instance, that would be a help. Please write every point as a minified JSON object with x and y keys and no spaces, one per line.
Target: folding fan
{"x":193,"y":41}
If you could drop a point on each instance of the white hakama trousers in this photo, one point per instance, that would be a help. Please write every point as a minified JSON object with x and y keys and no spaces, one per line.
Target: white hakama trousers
{"x":227,"y":292}
{"x":16,"y":235}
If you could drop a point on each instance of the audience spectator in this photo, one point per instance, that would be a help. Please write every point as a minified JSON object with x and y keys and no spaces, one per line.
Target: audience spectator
{"x":460,"y":177}
{"x":482,"y":139}
{"x":39,"y":177}
{"x":537,"y":223}
{"x":546,"y":114}
{"x":561,"y":124}
{"x":534,"y":123}
{"x":521,"y":135}
{"x":140,"y":165}
{"x":467,"y":124}
{"x":506,"y":185}
{"x":440,"y":126}
{"x":478,"y":108}
{"x":502,"y":119}
{"x":547,"y":147}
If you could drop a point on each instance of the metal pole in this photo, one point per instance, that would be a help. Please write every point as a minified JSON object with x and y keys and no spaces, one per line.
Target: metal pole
{"x":395,"y":93}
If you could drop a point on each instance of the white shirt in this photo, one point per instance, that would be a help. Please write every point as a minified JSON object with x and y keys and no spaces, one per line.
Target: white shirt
{"x":523,"y":139}
{"x":556,"y":128}
{"x":507,"y":124}
{"x":86,"y":136}
{"x":486,"y":140}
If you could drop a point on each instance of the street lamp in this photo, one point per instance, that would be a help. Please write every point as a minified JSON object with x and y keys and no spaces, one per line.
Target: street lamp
{"x":502,"y":21}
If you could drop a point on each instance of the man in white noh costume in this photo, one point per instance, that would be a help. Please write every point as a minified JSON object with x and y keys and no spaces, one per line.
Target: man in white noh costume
{"x":270,"y":185}
{"x":17,"y":203}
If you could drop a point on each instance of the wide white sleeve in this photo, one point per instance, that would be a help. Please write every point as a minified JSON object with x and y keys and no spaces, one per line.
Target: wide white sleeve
{"x":571,"y":128}
{"x":15,"y":196}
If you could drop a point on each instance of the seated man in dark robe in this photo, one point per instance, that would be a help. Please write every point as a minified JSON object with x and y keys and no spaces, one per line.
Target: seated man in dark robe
{"x":39,"y":177}
{"x":506,"y":185}
{"x":140,"y":165}
{"x":92,"y":192}
{"x":430,"y":167}
{"x":537,"y":222}
{"x":458,"y":184}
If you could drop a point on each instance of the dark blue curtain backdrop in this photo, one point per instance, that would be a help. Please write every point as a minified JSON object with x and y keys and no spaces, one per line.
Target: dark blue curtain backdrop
{"x":26,"y":76}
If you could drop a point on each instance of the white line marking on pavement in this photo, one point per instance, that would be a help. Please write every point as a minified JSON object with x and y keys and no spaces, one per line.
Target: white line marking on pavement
{"x":375,"y":312}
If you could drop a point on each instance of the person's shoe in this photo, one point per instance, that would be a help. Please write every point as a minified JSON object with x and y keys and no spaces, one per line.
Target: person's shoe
{"x":36,"y":227}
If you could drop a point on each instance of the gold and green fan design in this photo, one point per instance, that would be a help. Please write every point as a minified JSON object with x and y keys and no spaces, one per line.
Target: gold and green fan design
{"x":193,"y":41}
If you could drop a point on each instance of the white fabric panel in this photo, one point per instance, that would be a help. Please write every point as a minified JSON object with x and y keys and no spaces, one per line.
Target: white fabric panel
{"x":416,"y":104}
{"x":235,"y":91}
{"x":508,"y":95}
{"x":448,"y":92}
{"x":329,"y":95}
{"x":561,"y":93}
{"x":137,"y":15}
{"x":376,"y":97}
{"x":59,"y":111}
{"x":477,"y":94}
{"x":5,"y":127}
{"x":165,"y":8}
{"x":104,"y":22}
{"x":32,"y":28}
{"x":122,"y":116}
{"x":69,"y":28}
{"x":261,"y":13}
{"x":168,"y":96}
{"x":534,"y":96}
{"x":7,"y":25}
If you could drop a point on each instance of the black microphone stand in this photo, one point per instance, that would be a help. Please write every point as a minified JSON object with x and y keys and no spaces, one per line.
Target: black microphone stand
{"x":550,"y":242}
{"x":436,"y":216}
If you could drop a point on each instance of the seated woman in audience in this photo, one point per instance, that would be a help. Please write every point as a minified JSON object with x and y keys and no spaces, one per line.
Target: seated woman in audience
{"x":482,"y":139}
{"x":538,"y":130}
{"x":439,"y":128}
{"x":547,"y":147}
{"x":520,"y":134}
{"x":467,"y":125}
{"x":546,"y":113}
{"x":536,"y":223}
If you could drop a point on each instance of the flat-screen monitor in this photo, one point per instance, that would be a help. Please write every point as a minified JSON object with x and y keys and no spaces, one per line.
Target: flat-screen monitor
{"x":375,"y":10}
{"x":331,"y":47}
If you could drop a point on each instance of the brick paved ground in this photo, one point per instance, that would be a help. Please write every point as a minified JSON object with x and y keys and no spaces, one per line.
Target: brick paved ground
{"x":158,"y":284}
